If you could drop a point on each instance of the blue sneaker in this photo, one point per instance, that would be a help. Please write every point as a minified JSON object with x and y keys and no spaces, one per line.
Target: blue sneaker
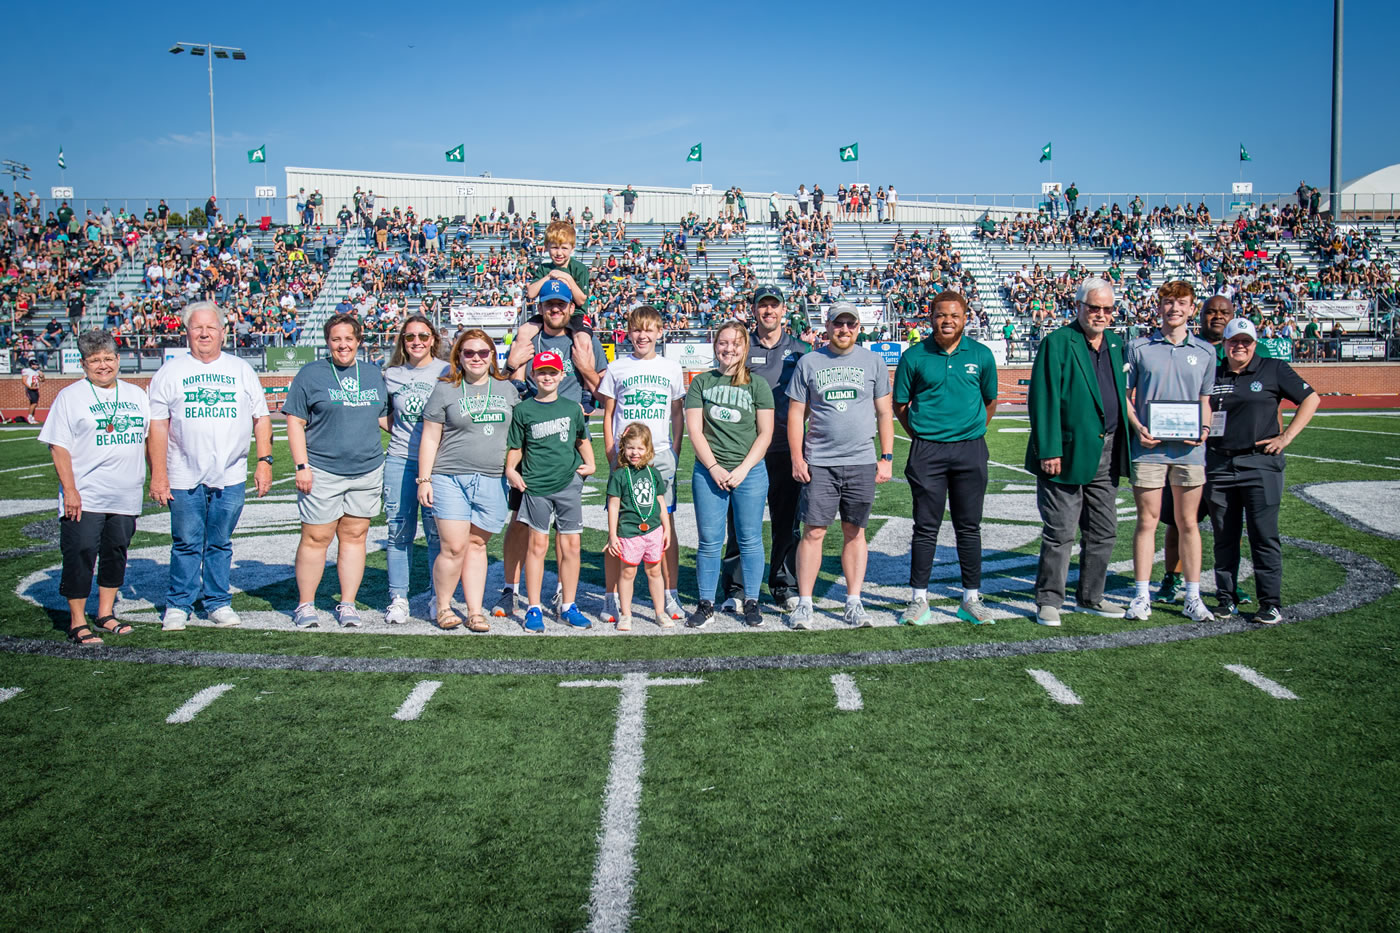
{"x":534,"y":620}
{"x":575,"y":618}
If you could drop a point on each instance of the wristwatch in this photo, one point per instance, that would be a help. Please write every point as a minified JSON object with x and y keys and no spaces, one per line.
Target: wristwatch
{"x":888,"y":458}
{"x":303,"y":466}
{"x":267,"y":459}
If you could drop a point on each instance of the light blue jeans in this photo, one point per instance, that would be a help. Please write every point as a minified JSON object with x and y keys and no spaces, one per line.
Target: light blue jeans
{"x":401,"y":515}
{"x":202,"y":520}
{"x":711,"y":509}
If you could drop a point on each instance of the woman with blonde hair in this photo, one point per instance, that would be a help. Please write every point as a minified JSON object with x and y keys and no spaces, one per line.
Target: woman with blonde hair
{"x":461,"y":471}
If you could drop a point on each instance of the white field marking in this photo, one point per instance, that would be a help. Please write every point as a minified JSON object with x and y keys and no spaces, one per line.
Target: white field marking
{"x":1250,"y":676}
{"x":28,"y":466}
{"x":1374,"y":466}
{"x":196,"y":703}
{"x":413,"y":706}
{"x":1357,"y":431}
{"x":1007,"y":466}
{"x":27,"y":437}
{"x":9,"y":693}
{"x":1055,"y":687}
{"x":847,"y":693}
{"x":610,"y":898}
{"x":1013,"y":430}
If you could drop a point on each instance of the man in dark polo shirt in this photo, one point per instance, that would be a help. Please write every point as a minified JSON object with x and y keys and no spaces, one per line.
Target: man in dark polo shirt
{"x":945,"y":393}
{"x":773,"y":354}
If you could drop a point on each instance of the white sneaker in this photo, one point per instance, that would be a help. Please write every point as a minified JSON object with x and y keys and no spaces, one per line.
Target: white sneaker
{"x":174,"y":620}
{"x":225,"y":617}
{"x":1140,"y":608}
{"x":1196,"y":611}
{"x":673,"y":609}
{"x":611,"y":612}
{"x":801,"y":617}
{"x":730,"y":605}
{"x":397,"y":613}
{"x":856,"y":616}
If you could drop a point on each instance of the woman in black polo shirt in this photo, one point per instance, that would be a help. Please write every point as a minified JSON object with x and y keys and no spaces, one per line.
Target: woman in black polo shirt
{"x":1244,"y":464}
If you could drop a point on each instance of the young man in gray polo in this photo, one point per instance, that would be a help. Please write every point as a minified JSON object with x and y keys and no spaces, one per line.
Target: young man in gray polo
{"x":842,"y":395}
{"x":1175,"y":366}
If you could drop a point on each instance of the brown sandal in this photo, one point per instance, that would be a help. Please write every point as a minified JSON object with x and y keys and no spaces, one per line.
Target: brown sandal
{"x":476,"y":622}
{"x":447,"y":619}
{"x":84,"y":637}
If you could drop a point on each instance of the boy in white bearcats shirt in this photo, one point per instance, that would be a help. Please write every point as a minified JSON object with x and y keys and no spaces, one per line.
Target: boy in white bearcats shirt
{"x":204,"y":408}
{"x":646,"y":389}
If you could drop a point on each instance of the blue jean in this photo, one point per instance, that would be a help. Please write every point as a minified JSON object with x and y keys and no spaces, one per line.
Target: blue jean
{"x":202,"y":520}
{"x":711,"y":508}
{"x":401,"y":515}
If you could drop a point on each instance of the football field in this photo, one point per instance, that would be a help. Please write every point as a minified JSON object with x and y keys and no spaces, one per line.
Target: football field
{"x":1106,"y":774}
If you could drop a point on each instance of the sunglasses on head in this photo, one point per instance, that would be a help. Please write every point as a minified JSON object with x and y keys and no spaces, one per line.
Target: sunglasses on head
{"x":476,"y":354}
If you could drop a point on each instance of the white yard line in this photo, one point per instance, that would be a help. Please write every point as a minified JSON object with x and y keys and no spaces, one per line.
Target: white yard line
{"x":847,"y":693}
{"x":610,"y":898}
{"x":9,"y":693}
{"x":1250,"y":676}
{"x":1318,"y":427}
{"x":198,"y":702}
{"x":417,"y":699}
{"x":1374,"y":466}
{"x":1055,"y":687}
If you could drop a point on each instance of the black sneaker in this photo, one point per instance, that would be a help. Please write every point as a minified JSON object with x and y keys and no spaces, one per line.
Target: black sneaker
{"x":1225,"y":608}
{"x":752,"y":617}
{"x":704,"y":612}
{"x":1269,"y":615}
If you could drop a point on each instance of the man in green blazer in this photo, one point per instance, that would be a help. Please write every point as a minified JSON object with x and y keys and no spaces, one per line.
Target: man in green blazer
{"x":1078,"y":450}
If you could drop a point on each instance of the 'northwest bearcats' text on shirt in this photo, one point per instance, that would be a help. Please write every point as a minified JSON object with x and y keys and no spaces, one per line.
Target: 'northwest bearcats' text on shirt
{"x":211,"y":407}
{"x":109,"y":467}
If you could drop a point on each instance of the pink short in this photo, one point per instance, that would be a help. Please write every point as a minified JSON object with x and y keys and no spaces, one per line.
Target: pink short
{"x":645,"y":548}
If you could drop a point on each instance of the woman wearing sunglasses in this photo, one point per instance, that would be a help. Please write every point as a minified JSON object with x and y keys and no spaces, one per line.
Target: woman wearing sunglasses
{"x":461,"y":471}
{"x":413,"y":372}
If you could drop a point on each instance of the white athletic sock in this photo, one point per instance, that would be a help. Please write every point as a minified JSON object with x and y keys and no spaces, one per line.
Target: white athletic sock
{"x":537,"y":606}
{"x":918,"y":594}
{"x":509,"y":587}
{"x":970,"y":596}
{"x":1142,"y":588}
{"x":1193,"y":590}
{"x":567,"y":607}
{"x":805,"y":601}
{"x":852,"y":599}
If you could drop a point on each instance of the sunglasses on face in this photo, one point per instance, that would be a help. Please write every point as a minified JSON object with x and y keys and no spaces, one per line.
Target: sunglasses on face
{"x":476,"y":354}
{"x":417,"y":338}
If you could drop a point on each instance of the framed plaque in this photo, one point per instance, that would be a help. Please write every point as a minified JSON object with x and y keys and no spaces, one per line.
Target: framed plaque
{"x":1174,"y":421}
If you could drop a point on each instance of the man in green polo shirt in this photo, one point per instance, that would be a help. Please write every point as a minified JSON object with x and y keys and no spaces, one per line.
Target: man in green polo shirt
{"x":945,"y":393}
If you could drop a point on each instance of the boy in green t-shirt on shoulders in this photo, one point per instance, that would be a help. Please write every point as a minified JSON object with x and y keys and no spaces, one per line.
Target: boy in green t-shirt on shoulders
{"x":548,"y":455}
{"x":559,"y":240}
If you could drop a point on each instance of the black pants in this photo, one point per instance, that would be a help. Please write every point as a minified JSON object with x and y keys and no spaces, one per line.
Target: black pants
{"x":98,"y":538}
{"x":783,"y":493}
{"x":1245,"y":497}
{"x":952,"y":473}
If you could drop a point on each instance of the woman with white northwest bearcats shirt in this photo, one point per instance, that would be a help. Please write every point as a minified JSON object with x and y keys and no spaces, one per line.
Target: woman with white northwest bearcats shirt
{"x":96,"y":432}
{"x":413,"y":373}
{"x":205,"y":407}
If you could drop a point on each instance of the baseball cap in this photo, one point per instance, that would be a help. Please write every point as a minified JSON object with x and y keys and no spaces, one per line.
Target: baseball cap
{"x":1241,"y":325}
{"x":842,"y":309}
{"x":555,"y":290}
{"x":767,"y":291}
{"x":548,"y":359}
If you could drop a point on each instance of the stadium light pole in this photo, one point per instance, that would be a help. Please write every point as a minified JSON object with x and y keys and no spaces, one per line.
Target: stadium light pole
{"x":1335,"y":182}
{"x":211,"y":51}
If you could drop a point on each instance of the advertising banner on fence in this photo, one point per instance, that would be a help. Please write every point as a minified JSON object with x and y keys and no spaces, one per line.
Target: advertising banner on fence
{"x":1363,"y":350}
{"x":483,"y":316}
{"x":692,"y":356}
{"x":287,"y":359}
{"x":1280,"y":347}
{"x":1340,"y":309}
{"x":72,"y":360}
{"x":869,"y":314}
{"x":888,"y":351}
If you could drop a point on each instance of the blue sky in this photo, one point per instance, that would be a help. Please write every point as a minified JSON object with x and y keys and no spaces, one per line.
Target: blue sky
{"x":942,"y":98}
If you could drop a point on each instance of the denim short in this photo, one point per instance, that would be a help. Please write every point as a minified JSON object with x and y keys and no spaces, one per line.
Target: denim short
{"x":471,"y":497}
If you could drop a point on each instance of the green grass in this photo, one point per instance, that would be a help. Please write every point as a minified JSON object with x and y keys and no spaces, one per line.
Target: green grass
{"x":960,"y":797}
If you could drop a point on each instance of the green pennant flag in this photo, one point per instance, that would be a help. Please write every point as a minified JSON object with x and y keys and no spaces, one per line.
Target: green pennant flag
{"x":850,"y":153}
{"x":258,"y":155}
{"x":1244,"y":154}
{"x":457,"y":155}
{"x":1045,"y":153}
{"x":694,"y":155}
{"x":61,"y":163}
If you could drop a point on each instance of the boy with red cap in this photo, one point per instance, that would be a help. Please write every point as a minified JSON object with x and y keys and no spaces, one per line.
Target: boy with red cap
{"x":548,"y":454}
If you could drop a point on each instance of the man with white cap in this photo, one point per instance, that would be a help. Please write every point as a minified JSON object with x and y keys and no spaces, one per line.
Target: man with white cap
{"x":841,"y":394}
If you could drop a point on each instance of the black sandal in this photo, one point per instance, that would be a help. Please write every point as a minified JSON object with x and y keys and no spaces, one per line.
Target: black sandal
{"x":84,"y":637}
{"x":118,"y":628}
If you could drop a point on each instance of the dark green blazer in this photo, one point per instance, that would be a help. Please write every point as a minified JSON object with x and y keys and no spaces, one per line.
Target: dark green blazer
{"x":1067,"y":411}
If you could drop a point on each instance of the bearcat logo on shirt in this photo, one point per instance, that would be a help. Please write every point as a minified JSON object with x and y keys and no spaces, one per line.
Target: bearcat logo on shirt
{"x":209,"y":396}
{"x":350,"y":384}
{"x":645,"y":398}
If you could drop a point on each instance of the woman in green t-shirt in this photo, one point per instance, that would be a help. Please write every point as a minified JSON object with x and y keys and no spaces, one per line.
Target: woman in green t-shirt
{"x":729,"y":418}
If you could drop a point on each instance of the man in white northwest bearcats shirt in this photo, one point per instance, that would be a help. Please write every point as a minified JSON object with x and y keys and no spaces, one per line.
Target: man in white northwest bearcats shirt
{"x":204,"y":408}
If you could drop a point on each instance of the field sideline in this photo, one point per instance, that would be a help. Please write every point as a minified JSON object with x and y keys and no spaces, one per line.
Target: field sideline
{"x":1243,"y":779}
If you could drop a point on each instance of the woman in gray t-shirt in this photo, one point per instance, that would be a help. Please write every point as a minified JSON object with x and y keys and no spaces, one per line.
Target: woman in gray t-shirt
{"x":413,"y":372}
{"x":461,"y":471}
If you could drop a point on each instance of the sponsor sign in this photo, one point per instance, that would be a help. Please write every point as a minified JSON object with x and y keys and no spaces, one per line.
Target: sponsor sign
{"x":72,"y":360}
{"x":288,"y":359}
{"x":1346,"y":309}
{"x":1363,"y":350}
{"x":1241,"y":187}
{"x":1049,"y":187}
{"x":5,"y":363}
{"x":701,"y":189}
{"x":466,"y":191}
{"x":483,"y":316}
{"x":888,"y":351}
{"x":1280,"y":347}
{"x":264,"y":191}
{"x":869,"y":314}
{"x":61,"y":193}
{"x":693,"y":356}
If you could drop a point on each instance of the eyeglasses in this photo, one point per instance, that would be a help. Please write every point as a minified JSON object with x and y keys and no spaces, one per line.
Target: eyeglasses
{"x":477,"y":354}
{"x":417,"y":338}
{"x":1098,"y":309}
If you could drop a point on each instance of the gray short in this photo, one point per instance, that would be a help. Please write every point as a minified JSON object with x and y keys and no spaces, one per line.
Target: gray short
{"x":564,"y":508}
{"x":333,"y":496}
{"x":847,"y":489}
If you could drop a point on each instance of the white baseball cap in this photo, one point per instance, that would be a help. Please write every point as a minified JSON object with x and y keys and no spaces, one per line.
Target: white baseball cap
{"x":1241,"y":325}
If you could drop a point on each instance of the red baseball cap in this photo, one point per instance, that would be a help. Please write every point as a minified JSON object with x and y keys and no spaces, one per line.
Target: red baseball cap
{"x":548,"y":359}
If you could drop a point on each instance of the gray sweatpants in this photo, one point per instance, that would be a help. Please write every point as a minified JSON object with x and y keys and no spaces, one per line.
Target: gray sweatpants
{"x":1094,"y":509}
